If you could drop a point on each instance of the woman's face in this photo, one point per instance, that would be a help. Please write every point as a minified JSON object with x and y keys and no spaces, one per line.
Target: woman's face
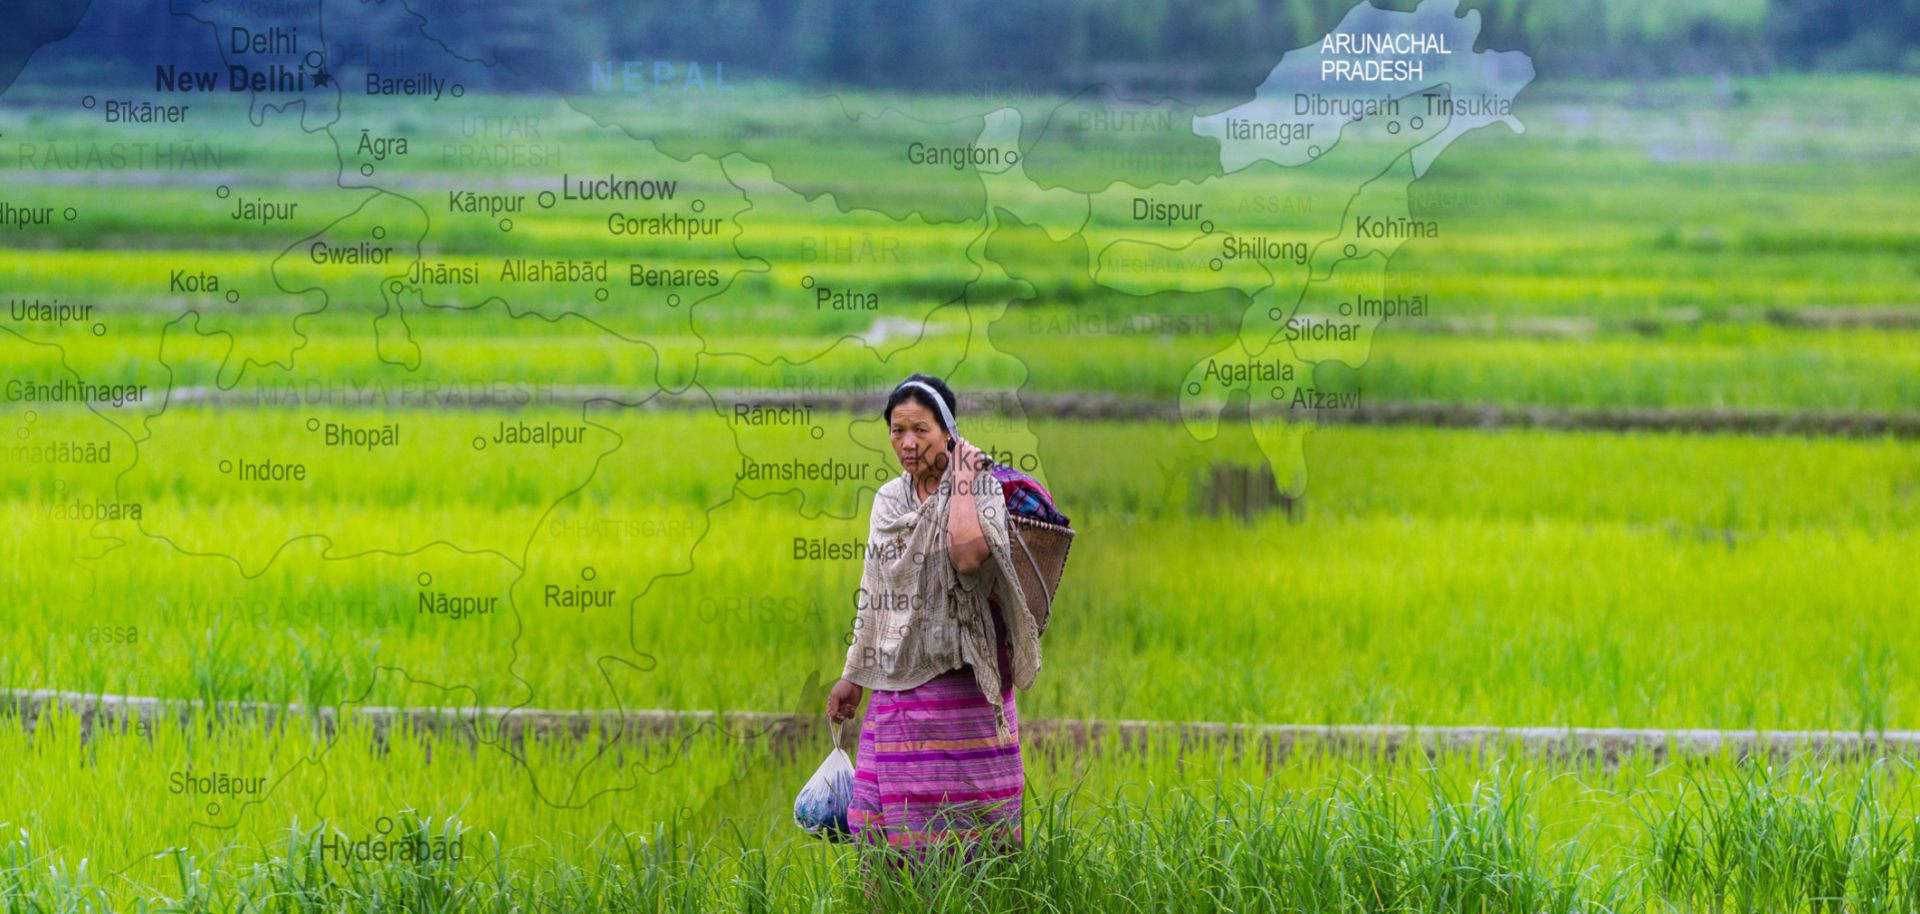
{"x":918,"y":440}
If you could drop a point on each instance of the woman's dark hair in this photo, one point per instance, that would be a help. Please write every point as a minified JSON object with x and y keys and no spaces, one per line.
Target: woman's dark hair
{"x":904,"y":392}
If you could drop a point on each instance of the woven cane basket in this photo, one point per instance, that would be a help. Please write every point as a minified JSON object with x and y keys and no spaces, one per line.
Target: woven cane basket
{"x":1039,"y":556}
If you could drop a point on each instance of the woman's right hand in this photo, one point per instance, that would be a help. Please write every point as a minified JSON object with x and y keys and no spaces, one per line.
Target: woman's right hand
{"x":970,"y":460}
{"x":843,"y":700}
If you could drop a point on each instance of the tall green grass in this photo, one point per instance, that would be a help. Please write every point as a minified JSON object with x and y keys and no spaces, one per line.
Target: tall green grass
{"x":699,"y":822}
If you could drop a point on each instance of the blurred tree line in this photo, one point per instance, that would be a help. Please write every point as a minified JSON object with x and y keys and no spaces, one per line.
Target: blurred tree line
{"x":935,"y":43}
{"x":1046,"y":45}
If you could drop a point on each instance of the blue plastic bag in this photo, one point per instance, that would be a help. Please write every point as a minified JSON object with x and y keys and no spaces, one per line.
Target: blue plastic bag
{"x":821,"y":807}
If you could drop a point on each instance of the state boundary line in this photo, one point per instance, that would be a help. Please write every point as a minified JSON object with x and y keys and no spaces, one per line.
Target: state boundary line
{"x":1277,"y":741}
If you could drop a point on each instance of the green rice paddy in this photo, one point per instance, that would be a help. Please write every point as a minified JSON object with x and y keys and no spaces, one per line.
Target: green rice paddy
{"x":1422,"y":576}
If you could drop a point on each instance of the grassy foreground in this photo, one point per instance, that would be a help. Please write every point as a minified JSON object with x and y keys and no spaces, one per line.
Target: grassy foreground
{"x":697,"y":823}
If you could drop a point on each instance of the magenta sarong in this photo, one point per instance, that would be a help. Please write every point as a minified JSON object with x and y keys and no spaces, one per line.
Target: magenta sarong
{"x":931,"y":768}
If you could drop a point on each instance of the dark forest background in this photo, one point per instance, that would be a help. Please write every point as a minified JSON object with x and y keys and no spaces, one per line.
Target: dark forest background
{"x":1026,"y":45}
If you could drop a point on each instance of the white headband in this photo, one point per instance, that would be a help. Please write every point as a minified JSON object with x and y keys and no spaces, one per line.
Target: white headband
{"x":939,"y":403}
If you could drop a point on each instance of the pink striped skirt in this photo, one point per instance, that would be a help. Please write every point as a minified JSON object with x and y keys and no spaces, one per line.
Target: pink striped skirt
{"x":932,"y":771}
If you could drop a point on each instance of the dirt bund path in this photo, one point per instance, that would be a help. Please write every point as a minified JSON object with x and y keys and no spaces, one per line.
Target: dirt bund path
{"x":1116,"y":407}
{"x":515,"y":726}
{"x":1667,"y":321}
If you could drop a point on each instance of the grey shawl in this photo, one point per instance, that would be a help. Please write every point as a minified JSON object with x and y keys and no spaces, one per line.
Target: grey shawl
{"x":917,"y":616}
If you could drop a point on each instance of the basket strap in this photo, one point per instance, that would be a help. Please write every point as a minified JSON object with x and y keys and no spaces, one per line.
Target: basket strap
{"x":1037,"y":575}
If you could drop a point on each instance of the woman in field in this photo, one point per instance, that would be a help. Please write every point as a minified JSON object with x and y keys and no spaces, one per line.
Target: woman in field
{"x":941,"y":635}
